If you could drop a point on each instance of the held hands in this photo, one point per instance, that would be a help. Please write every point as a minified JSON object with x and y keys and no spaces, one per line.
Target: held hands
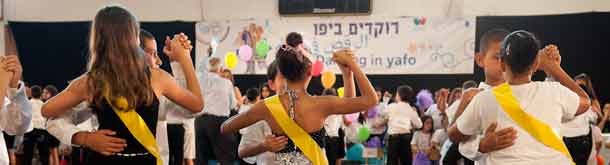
{"x":102,"y":141}
{"x":549,"y":58}
{"x":345,"y":58}
{"x":274,"y":143}
{"x":442,"y":101}
{"x":178,"y":48}
{"x":11,"y":64}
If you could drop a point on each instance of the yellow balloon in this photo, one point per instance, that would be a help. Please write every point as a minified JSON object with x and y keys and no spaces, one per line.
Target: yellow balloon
{"x":328,"y":79}
{"x":231,"y":60}
{"x":341,"y":92}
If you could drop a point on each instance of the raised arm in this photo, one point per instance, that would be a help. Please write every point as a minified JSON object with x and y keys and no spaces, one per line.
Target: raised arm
{"x":190,"y":98}
{"x":17,"y":115}
{"x":550,"y":61}
{"x":347,"y":105}
{"x":349,"y":86}
{"x":73,"y":95}
{"x":242,"y":120}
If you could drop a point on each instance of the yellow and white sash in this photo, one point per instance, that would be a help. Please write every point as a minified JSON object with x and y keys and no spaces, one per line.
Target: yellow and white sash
{"x":536,"y":128}
{"x":300,"y":137}
{"x":136,"y":126}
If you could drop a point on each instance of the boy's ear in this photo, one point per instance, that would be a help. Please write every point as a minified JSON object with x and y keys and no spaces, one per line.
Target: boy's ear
{"x":478,"y":58}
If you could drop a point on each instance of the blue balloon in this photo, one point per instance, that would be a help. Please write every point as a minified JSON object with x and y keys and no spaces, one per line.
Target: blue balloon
{"x":355,"y":152}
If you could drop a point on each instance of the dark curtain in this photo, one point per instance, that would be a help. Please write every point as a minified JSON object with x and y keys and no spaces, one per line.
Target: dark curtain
{"x":54,"y":53}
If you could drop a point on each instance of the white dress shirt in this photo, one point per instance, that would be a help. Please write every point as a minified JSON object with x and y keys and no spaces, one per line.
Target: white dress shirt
{"x":179,"y":115}
{"x":402,"y":118}
{"x":15,"y":117}
{"x":549,"y":102}
{"x":470,"y":148}
{"x":253,"y":135}
{"x":436,"y":116}
{"x":580,"y":125}
{"x":38,"y":121}
{"x":219,"y":94}
{"x":332,"y":125}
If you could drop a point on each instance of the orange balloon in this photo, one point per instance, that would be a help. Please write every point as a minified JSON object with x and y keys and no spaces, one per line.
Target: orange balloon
{"x":328,"y":79}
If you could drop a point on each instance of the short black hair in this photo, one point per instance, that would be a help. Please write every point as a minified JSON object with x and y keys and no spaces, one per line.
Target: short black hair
{"x":145,"y":35}
{"x":469,"y":84}
{"x":36,"y":91}
{"x":405,"y":92}
{"x":51,"y":89}
{"x":519,"y":51}
{"x":252,"y":94}
{"x":491,"y":36}
{"x":329,"y":92}
{"x":272,"y":70}
{"x":294,"y":39}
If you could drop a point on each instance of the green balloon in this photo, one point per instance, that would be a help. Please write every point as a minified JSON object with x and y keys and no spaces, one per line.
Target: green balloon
{"x":262,"y":48}
{"x":416,"y":21}
{"x":363,"y":134}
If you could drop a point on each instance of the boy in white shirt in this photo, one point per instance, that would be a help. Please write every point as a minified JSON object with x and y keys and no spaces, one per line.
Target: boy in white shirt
{"x":548,"y":103}
{"x":402,"y":120}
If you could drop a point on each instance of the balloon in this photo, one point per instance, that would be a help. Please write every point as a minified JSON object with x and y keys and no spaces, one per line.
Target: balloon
{"x":262,"y":48}
{"x":375,"y":142}
{"x":231,"y":60}
{"x":355,"y":152}
{"x":373,"y":112}
{"x":245,"y":53}
{"x":422,"y":20}
{"x":341,"y":92}
{"x":600,"y":160}
{"x":416,"y":21}
{"x":317,"y":68}
{"x":352,"y":117}
{"x":328,"y":79}
{"x":363,"y":134}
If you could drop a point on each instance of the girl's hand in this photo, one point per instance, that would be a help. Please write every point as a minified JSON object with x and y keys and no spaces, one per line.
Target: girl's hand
{"x":345,"y":58}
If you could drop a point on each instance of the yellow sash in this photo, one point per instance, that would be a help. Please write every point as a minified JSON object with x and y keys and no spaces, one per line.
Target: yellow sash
{"x":536,"y":128}
{"x":301,"y":139}
{"x":136,"y":126}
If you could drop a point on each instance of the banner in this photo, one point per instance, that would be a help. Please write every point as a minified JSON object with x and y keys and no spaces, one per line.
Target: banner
{"x":404,"y":45}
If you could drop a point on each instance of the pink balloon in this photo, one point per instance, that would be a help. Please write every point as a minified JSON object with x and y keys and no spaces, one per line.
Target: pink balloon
{"x":352,"y":117}
{"x":245,"y":53}
{"x":317,"y":68}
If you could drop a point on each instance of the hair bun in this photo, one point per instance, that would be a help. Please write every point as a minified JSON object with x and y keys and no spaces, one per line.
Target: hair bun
{"x":292,"y":64}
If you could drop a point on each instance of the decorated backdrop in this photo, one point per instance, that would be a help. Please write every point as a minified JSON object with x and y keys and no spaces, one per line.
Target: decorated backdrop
{"x":405,"y":45}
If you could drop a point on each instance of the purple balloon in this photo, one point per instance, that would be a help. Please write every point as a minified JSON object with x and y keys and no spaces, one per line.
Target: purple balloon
{"x":373,"y":112}
{"x":374,"y":142}
{"x":424,"y":99}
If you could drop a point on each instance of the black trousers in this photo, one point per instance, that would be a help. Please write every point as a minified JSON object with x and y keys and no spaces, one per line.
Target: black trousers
{"x":175,"y":140}
{"x":211,"y":144}
{"x":39,"y":138}
{"x":579,"y":147}
{"x":399,"y":149}
{"x":78,"y":156}
{"x":453,"y":156}
{"x":335,"y":149}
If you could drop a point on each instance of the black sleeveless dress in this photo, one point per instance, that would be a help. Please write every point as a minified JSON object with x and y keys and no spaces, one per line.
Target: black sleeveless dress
{"x":108,"y":119}
{"x":317,"y":136}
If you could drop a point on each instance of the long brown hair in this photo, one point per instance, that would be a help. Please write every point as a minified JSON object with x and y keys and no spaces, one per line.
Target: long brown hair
{"x":117,"y":63}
